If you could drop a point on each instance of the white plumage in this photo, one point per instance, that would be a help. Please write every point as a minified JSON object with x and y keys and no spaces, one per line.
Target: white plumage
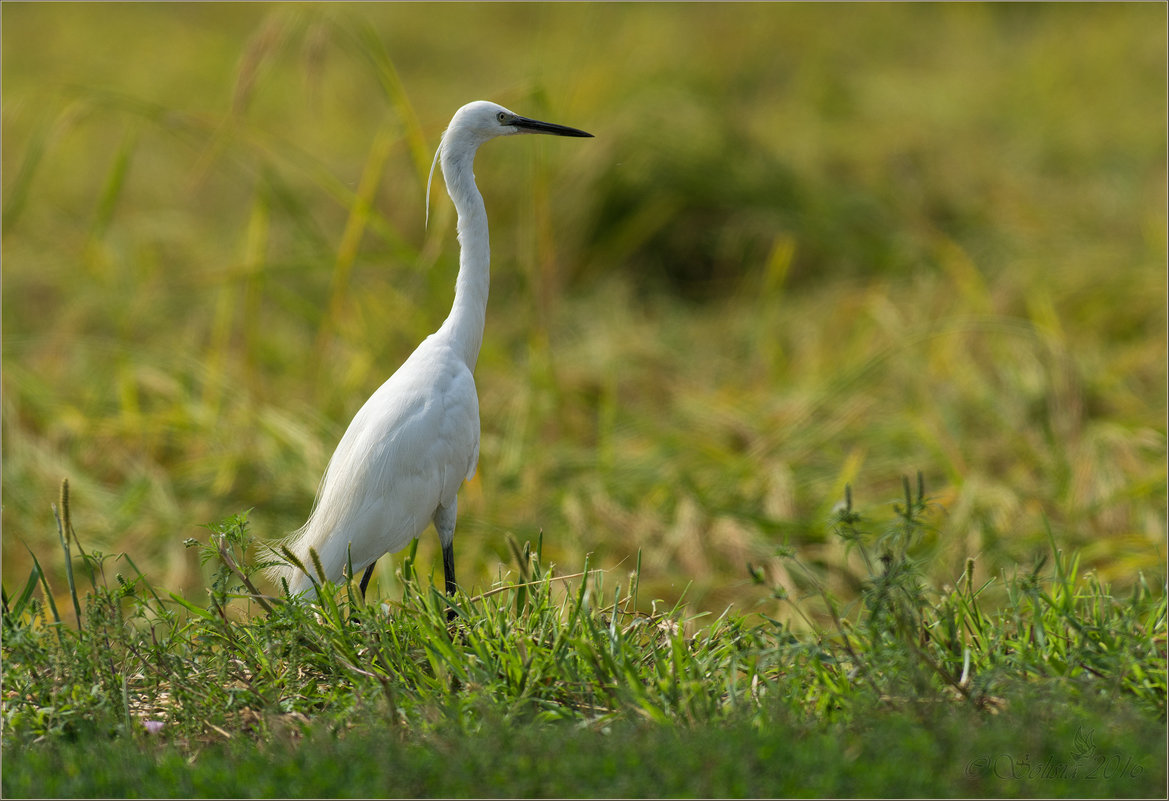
{"x":402,"y":460}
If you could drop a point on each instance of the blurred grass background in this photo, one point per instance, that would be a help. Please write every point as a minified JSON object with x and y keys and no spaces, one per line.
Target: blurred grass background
{"x":809,"y":246}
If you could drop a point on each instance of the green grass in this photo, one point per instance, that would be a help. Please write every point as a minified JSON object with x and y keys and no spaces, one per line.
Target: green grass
{"x":893,"y":755}
{"x":806,"y":251}
{"x":552,"y":684}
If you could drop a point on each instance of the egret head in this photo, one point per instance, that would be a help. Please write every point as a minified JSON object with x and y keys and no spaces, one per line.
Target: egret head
{"x":483,"y":120}
{"x":476,"y":123}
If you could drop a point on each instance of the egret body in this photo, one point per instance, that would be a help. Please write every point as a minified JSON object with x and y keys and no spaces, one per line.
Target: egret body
{"x":402,"y":460}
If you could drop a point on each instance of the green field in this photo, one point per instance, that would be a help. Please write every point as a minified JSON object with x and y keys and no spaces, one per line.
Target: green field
{"x":558,"y":686}
{"x":809,"y":248}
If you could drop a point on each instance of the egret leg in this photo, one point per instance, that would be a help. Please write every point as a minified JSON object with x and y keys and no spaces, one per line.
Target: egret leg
{"x":444,"y":523}
{"x":448,"y":567}
{"x":448,"y":570}
{"x":365,"y":578}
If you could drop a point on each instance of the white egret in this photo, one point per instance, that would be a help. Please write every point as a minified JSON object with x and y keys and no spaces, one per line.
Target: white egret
{"x":409,"y":448}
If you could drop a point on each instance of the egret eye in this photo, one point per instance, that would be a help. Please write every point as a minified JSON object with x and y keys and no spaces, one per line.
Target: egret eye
{"x":502,"y":117}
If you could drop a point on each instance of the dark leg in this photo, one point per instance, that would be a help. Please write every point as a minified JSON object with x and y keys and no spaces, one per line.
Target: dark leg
{"x":444,"y":524}
{"x":365,"y":578}
{"x":448,"y":569}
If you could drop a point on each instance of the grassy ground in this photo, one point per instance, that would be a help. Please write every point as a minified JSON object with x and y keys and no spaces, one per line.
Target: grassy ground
{"x":638,"y":761}
{"x":554,"y":685}
{"x":810,"y":251}
{"x":806,"y":250}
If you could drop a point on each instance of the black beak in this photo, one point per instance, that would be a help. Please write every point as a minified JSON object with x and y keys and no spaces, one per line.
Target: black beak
{"x":535,"y":126}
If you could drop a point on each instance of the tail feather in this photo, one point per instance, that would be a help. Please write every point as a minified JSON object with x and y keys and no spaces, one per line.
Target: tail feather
{"x":312,"y":536}
{"x":331,"y":511}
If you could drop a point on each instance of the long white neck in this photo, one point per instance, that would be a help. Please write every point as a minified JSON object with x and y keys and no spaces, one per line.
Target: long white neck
{"x":464,"y":325}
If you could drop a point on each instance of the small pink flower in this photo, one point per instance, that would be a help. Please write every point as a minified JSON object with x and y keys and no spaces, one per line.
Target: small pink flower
{"x":153,"y":726}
